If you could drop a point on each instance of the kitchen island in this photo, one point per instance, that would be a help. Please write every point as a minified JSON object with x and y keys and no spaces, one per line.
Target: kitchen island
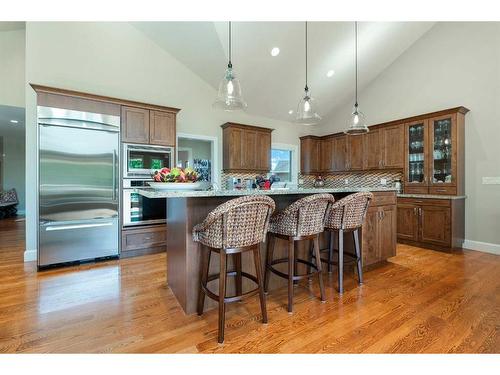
{"x":185,"y":209}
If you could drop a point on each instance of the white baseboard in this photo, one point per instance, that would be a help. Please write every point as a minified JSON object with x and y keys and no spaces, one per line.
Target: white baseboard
{"x":486,"y":247}
{"x":29,"y":255}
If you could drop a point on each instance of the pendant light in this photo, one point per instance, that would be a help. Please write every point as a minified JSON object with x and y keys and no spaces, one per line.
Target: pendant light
{"x":229,"y":97}
{"x":357,"y":123}
{"x":306,"y":114}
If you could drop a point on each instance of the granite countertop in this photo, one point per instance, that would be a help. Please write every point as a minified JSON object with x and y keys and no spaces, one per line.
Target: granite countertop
{"x":431,"y":196}
{"x":152,"y":193}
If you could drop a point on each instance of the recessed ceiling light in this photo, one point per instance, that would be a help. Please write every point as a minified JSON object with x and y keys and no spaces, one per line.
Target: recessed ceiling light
{"x":290,"y":111}
{"x":14,"y":121}
{"x":275,"y":51}
{"x":330,"y":73}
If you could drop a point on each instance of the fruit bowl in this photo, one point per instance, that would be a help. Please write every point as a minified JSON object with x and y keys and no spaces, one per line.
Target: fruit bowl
{"x":176,"y":186}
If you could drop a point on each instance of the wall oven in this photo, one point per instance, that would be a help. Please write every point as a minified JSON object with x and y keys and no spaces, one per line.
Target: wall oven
{"x":140,"y":210}
{"x":141,"y":161}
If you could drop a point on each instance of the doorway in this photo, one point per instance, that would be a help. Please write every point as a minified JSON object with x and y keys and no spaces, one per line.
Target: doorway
{"x":12,"y":162}
{"x":199,"y":153}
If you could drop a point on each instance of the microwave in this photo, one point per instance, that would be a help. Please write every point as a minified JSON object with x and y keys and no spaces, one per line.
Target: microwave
{"x":143,"y":160}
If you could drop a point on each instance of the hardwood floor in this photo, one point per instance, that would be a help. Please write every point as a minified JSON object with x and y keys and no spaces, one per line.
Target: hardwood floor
{"x":422,"y":301}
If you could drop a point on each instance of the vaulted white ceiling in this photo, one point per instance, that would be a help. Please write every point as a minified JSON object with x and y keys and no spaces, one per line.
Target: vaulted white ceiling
{"x":272,"y":86}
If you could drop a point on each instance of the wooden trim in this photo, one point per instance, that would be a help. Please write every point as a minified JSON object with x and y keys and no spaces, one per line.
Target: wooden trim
{"x":310,"y":137}
{"x":100,"y":98}
{"x":247,"y":127}
{"x":444,"y":112}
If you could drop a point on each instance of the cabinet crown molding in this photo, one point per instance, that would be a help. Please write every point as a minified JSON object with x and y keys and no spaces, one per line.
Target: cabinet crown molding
{"x":244,"y":126}
{"x":100,"y":98}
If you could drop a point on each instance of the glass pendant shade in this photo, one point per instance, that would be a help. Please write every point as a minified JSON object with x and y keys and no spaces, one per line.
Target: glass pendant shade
{"x":229,"y":97}
{"x":306,"y":111}
{"x":357,"y":123}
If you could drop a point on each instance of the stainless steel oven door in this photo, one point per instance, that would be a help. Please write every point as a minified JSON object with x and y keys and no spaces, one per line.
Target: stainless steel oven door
{"x":139,"y":210}
{"x":144,"y":160}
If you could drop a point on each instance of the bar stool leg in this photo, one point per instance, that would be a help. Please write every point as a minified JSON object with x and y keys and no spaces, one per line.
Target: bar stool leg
{"x":318,"y":264}
{"x":291,"y":261}
{"x":295,"y":264}
{"x":330,"y":251}
{"x":238,"y":278}
{"x":341,"y":261}
{"x":258,"y":273}
{"x":358,"y":256}
{"x":269,"y":258}
{"x":222,"y":294}
{"x":310,"y":259}
{"x":204,"y":269}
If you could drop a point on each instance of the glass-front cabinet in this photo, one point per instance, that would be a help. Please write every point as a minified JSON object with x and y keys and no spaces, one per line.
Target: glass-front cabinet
{"x":431,"y":155}
{"x":416,"y":179}
{"x":443,"y":171}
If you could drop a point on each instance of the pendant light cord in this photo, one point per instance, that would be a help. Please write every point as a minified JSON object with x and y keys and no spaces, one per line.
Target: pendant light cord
{"x":306,"y":88}
{"x":230,"y":64}
{"x":356,"y":59}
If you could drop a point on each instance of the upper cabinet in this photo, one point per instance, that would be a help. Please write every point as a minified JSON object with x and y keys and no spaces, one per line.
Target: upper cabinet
{"x":428,"y":148}
{"x":434,"y":154}
{"x":310,"y":148}
{"x":392,"y":146}
{"x":140,"y":125}
{"x":372,"y":150}
{"x":246,"y":148}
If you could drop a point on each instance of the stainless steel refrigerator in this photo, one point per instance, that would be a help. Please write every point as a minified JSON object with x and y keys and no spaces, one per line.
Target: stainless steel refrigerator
{"x":78,"y":186}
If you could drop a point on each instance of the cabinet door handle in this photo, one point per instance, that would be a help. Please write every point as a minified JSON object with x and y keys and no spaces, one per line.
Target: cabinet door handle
{"x":420,"y":211}
{"x":415,"y":211}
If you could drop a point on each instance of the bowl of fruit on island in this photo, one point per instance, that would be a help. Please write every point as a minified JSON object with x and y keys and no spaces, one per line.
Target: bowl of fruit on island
{"x":176,"y":179}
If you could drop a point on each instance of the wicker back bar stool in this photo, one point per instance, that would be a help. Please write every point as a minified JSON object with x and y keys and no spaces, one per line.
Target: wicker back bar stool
{"x":346,"y":215}
{"x":302,"y":220}
{"x":234,"y":227}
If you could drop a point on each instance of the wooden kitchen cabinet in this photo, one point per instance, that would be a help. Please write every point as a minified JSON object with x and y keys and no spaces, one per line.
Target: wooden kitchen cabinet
{"x":135,"y":125}
{"x":310,"y":147}
{"x":392,"y":146}
{"x":144,"y":240}
{"x":434,"y":154}
{"x":246,"y":148}
{"x":430,"y":222}
{"x":372,"y":150}
{"x":379,"y":229}
{"x":340,"y":153}
{"x":408,"y":222}
{"x":355,"y":150}
{"x":145,"y":126}
{"x":326,"y":155}
{"x":162,"y":128}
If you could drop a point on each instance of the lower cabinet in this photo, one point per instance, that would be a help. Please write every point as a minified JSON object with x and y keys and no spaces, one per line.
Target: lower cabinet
{"x":144,"y":240}
{"x":428,"y":222}
{"x":379,"y":229}
{"x":379,"y":234}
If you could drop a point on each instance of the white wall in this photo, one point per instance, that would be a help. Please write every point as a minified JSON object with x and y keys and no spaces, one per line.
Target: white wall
{"x":453,"y":64}
{"x":12,"y":49}
{"x":115,"y":59}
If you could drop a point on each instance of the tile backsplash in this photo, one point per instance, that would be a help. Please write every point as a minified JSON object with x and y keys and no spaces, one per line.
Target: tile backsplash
{"x":334,"y":180}
{"x":354,"y":179}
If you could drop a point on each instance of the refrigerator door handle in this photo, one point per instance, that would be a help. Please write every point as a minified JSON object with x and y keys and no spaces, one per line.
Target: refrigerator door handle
{"x":77,"y":226}
{"x":114,"y":175}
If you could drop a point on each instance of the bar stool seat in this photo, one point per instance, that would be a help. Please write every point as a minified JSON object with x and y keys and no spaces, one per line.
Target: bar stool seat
{"x":346,"y":215}
{"x":302,"y":220}
{"x":234,"y":227}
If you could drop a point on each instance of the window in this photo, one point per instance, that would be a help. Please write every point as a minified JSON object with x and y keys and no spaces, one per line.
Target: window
{"x":281,"y":164}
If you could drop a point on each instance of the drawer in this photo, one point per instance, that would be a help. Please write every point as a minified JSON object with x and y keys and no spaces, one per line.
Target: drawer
{"x":444,"y":190}
{"x":383,"y":198}
{"x":425,"y":202}
{"x":409,"y":189}
{"x":133,"y":239}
